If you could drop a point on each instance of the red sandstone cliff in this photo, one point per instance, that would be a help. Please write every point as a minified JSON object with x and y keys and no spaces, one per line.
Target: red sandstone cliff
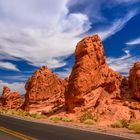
{"x":89,"y":73}
{"x":44,"y":91}
{"x":95,"y":87}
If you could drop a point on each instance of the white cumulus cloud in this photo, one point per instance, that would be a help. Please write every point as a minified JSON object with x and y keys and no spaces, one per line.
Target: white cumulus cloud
{"x":9,"y":66}
{"x":124,"y":63}
{"x":134,"y":42}
{"x":41,"y":32}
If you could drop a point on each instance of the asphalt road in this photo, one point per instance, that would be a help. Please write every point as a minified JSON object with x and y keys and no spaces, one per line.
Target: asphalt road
{"x":5,"y":136}
{"x":42,"y":131}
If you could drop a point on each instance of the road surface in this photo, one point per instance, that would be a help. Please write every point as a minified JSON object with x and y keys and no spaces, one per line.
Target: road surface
{"x":6,"y":136}
{"x":40,"y":131}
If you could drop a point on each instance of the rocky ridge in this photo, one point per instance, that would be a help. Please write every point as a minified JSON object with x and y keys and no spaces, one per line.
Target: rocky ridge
{"x":92,"y":86}
{"x":44,"y":91}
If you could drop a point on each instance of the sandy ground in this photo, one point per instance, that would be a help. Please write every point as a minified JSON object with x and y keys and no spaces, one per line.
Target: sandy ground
{"x":123,"y":132}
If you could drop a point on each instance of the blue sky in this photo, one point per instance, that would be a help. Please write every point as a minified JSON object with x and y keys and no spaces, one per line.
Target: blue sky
{"x":45,"y":32}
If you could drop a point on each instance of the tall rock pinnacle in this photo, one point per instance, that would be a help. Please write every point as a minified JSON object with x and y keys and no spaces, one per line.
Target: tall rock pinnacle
{"x":90,"y":72}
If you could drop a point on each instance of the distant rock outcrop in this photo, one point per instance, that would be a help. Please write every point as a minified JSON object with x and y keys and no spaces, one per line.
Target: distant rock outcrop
{"x":134,"y":80}
{"x":10,"y":100}
{"x":44,"y":91}
{"x":89,"y":73}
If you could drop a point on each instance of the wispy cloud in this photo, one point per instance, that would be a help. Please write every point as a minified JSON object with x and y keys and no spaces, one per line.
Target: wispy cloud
{"x":134,"y":42}
{"x":126,"y":1}
{"x":124,"y":63}
{"x":43,"y":32}
{"x":33,"y":31}
{"x":8,"y":66}
{"x":116,"y":26}
{"x":14,"y":86}
{"x":20,"y":77}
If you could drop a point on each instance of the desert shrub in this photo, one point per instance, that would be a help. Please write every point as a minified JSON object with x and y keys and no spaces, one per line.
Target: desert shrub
{"x":117,"y":124}
{"x":121,"y":124}
{"x":56,"y":119}
{"x":43,"y":116}
{"x":18,"y":113}
{"x":67,"y":120}
{"x":22,"y":113}
{"x":3,"y":111}
{"x":7,"y":111}
{"x":36,"y":115}
{"x":135,"y":127}
{"x":33,"y":115}
{"x":86,"y":116}
{"x":89,"y":121}
{"x":125,"y":123}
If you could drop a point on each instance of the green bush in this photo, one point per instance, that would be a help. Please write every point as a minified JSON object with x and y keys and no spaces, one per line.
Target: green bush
{"x":37,"y":116}
{"x":135,"y":127}
{"x":56,"y":119}
{"x":125,"y":123}
{"x":22,"y":113}
{"x":89,"y":121}
{"x":33,"y":115}
{"x":3,"y":111}
{"x":117,"y":124}
{"x":88,"y":118}
{"x":121,"y":124}
{"x":67,"y":120}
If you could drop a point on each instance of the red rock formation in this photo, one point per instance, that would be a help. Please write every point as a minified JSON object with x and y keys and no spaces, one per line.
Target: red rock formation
{"x":44,"y":91}
{"x":134,"y":80}
{"x":90,"y":72}
{"x":10,"y":100}
{"x":94,"y":87}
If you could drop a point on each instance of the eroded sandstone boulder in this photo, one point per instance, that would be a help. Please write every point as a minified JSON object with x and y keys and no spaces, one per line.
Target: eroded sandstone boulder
{"x":134,"y":80}
{"x":89,"y":73}
{"x":44,"y":91}
{"x":10,"y":100}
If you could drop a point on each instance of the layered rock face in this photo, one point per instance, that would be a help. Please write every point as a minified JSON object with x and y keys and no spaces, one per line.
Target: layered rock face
{"x":10,"y":100}
{"x":134,"y":80}
{"x":91,"y":72}
{"x":44,"y":91}
{"x":98,"y":89}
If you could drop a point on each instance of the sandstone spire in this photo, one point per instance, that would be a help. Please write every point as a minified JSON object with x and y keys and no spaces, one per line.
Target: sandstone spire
{"x":90,"y":72}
